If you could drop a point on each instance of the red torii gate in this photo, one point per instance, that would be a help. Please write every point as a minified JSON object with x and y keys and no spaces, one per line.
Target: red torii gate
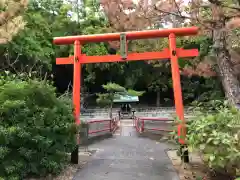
{"x":172,"y":53}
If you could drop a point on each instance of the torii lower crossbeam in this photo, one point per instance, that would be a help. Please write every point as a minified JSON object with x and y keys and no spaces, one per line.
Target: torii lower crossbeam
{"x":162,"y":55}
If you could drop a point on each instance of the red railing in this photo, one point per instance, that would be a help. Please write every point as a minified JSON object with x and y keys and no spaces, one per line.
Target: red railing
{"x":111,"y":126}
{"x":140,"y":124}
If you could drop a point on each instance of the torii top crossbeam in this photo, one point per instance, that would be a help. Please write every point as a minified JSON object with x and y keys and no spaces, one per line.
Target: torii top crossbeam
{"x":129,"y":35}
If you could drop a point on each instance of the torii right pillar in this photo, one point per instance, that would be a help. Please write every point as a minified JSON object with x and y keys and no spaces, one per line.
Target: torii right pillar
{"x":178,"y":97}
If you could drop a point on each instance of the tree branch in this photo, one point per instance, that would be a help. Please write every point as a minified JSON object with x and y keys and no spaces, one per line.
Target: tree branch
{"x":221,"y":5}
{"x":178,"y":8}
{"x":171,"y":13}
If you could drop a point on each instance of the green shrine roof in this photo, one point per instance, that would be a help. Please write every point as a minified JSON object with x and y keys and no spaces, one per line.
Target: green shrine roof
{"x":126,"y":98}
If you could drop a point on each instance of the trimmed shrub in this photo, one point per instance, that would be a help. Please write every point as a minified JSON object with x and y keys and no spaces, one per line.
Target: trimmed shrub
{"x":37,"y":129}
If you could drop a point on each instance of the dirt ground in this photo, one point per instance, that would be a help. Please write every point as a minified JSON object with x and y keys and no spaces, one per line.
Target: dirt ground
{"x":67,"y":174}
{"x":70,"y":170}
{"x":195,"y":170}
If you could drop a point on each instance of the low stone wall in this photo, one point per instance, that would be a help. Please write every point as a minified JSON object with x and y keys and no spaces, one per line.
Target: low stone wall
{"x":140,"y":112}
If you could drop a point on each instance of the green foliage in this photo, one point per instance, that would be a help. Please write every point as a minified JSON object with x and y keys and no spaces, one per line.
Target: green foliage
{"x":203,"y":92}
{"x":158,"y":86}
{"x":32,"y":48}
{"x":202,"y":43}
{"x":114,"y":88}
{"x":36,"y":129}
{"x":104,"y":99}
{"x":159,"y":79}
{"x":132,"y":92}
{"x":216,"y":136}
{"x":208,"y":106}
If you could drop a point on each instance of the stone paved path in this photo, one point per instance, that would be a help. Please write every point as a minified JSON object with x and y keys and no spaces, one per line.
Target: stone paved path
{"x":128,"y":157}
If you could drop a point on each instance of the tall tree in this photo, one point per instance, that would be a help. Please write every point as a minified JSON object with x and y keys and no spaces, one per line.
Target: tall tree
{"x":159,"y":80}
{"x":217,"y":19}
{"x":32,"y":49}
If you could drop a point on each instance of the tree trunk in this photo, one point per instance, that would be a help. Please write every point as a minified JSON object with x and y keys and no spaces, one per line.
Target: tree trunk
{"x":110,"y":113}
{"x":158,"y":99}
{"x":229,"y":80}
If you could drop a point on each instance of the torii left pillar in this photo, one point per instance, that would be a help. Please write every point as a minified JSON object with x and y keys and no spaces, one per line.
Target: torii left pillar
{"x":76,"y":94}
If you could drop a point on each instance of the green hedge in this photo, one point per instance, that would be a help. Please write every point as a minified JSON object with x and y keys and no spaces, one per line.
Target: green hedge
{"x":36,"y":129}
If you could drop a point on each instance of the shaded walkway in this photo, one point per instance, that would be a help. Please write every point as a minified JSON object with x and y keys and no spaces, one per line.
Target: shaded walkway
{"x":128,"y":158}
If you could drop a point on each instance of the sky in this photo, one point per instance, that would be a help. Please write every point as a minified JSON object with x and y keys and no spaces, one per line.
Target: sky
{"x":165,"y":25}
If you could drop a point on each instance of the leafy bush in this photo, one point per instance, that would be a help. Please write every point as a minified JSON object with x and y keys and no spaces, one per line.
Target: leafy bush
{"x":217,"y":137}
{"x":209,"y":106}
{"x":36,"y":129}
